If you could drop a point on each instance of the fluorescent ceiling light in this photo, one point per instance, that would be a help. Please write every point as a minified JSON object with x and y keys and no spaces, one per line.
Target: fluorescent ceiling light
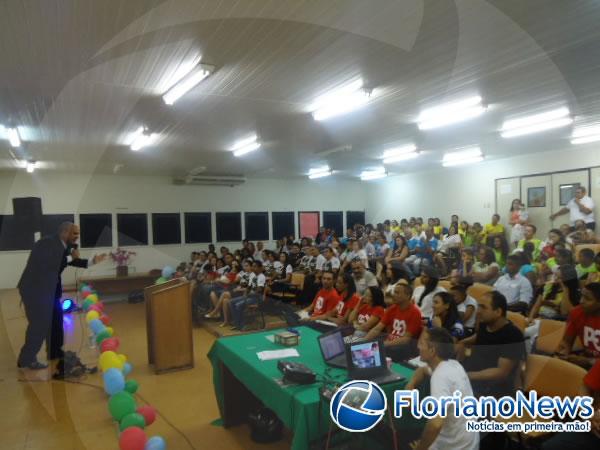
{"x":342,"y":100}
{"x":30,"y":166}
{"x":400,"y":157}
{"x":585,"y":134}
{"x":13,"y":137}
{"x":373,"y":174}
{"x":399,"y":150}
{"x":187,"y":82}
{"x":452,"y":112}
{"x":469,"y":156}
{"x":142,"y":139}
{"x":319,"y":172}
{"x":246,"y":145}
{"x":535,"y":123}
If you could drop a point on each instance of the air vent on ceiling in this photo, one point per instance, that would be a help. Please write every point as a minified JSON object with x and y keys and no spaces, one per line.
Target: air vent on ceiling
{"x":207,"y":180}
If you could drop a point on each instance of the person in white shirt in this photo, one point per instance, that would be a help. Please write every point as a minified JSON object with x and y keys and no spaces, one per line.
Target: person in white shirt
{"x":467,"y":307}
{"x":362,"y":278}
{"x":515,"y":287}
{"x":436,"y":348}
{"x":579,"y":208}
{"x":254,"y":292}
{"x":423,"y":295}
{"x":331,"y":263}
{"x":356,"y":252}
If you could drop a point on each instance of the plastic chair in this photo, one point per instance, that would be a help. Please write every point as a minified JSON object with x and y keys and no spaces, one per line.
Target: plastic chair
{"x":550,"y":336}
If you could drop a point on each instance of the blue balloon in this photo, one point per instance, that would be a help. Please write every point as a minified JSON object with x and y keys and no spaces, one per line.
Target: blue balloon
{"x":127,"y":368}
{"x":168,"y":272}
{"x":97,"y":326}
{"x":155,"y":443}
{"x":114,"y":381}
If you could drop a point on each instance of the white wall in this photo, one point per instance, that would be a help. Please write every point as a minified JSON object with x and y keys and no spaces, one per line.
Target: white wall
{"x":66,"y":193}
{"x":467,"y":191}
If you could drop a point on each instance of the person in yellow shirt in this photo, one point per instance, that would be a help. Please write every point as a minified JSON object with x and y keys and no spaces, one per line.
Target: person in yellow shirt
{"x":493,"y":230}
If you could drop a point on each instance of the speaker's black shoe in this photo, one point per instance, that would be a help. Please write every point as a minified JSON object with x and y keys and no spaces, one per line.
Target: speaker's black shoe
{"x":36,"y":365}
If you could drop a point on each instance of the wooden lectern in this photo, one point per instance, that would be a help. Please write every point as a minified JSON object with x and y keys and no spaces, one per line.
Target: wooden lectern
{"x":169,"y":326}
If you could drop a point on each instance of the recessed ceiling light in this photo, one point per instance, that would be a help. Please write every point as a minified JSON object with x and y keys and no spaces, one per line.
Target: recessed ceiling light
{"x":341,"y":100}
{"x":13,"y":136}
{"x":402,"y":153}
{"x":469,"y":156}
{"x":319,"y":172}
{"x":142,"y":138}
{"x":195,"y":75}
{"x":585,"y":134}
{"x":451,"y":113}
{"x":536,"y":123}
{"x":246,"y":145}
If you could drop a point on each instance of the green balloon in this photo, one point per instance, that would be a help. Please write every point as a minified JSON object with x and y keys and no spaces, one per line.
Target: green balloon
{"x":120,"y":405}
{"x":86,"y":304}
{"x":101,"y":336}
{"x":132,"y":420}
{"x":82,"y":287}
{"x":131,"y":386}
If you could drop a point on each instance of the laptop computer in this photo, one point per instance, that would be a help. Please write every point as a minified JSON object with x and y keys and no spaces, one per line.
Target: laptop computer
{"x":333,"y":348}
{"x":366,"y":360}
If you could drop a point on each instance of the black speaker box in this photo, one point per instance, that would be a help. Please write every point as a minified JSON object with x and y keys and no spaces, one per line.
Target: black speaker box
{"x":29,"y":210}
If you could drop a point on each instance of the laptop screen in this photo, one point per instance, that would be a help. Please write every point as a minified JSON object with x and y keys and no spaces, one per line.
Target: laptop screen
{"x":332,"y":345}
{"x":366,"y":355}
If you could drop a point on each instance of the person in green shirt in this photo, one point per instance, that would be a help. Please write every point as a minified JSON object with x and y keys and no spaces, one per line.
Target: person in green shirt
{"x":585,"y":264}
{"x":530,"y":231}
{"x":500,"y":248}
{"x":493,"y":230}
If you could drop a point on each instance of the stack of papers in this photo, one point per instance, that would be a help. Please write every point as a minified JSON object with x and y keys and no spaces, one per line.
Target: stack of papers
{"x":277,"y":354}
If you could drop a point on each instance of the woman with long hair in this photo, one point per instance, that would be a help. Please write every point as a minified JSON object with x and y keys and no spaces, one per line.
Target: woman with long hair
{"x":346,"y":288}
{"x":423,"y":295}
{"x":500,"y":249}
{"x":445,"y":315}
{"x":368,"y":311}
{"x":518,"y":219}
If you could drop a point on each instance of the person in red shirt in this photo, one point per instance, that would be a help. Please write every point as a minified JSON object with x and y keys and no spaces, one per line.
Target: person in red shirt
{"x":403,"y":324}
{"x":325,"y":300}
{"x":583,"y":323}
{"x":348,"y":299}
{"x":368,"y":311}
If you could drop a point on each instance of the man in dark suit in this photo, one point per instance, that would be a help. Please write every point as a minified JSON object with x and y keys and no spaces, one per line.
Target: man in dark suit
{"x":40,"y":287}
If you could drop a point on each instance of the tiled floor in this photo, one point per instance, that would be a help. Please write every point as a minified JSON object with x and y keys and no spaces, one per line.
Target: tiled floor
{"x":56,"y":415}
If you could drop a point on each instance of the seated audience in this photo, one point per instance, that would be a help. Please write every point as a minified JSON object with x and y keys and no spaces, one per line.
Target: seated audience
{"x":396,"y":256}
{"x":500,"y":248}
{"x":356,"y":252}
{"x":466,"y":306}
{"x":253,"y":295}
{"x":497,"y":349}
{"x":583,"y":323}
{"x":423,"y":295}
{"x":493,"y":230}
{"x":325,"y":300}
{"x":558,"y":297}
{"x":348,"y":298}
{"x":555,"y":239}
{"x":514,"y":287}
{"x":368,"y":311}
{"x":331,"y":262}
{"x":586,"y":265}
{"x":581,"y":235}
{"x":447,"y":376}
{"x":530,"y":231}
{"x":362,"y":277}
{"x":579,"y":208}
{"x":424,"y":252}
{"x":445,"y":315}
{"x":486,"y":270}
{"x":402,"y":322}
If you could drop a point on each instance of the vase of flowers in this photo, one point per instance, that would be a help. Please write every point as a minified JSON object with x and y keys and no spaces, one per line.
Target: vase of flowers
{"x":121,"y":258}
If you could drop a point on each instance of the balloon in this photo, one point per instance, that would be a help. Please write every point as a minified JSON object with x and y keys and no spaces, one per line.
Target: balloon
{"x":98,"y":306}
{"x":110,"y":330}
{"x":121,"y":404}
{"x":133,"y":438}
{"x":156,"y":443}
{"x":114,"y":381}
{"x":168,"y":272}
{"x":92,"y":297}
{"x":122,"y":357}
{"x":104,"y":334}
{"x":131,"y":386}
{"x":85,"y":292}
{"x":160,"y":280}
{"x":148,"y":412}
{"x":105,"y":319}
{"x":110,"y":344}
{"x":127,"y":368}
{"x":109,"y":360}
{"x":132,"y":420}
{"x":91,"y":315}
{"x":86,"y":305}
{"x":83,"y":286}
{"x":96,"y":326}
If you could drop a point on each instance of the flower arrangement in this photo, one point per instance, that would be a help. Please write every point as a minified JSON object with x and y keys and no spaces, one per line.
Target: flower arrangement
{"x":121,"y":256}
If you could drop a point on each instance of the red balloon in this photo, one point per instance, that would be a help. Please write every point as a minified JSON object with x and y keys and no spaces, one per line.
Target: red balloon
{"x":109,"y":344}
{"x":95,"y":308}
{"x":105,"y":319}
{"x":148,"y":412}
{"x":132,"y":438}
{"x":85,"y":293}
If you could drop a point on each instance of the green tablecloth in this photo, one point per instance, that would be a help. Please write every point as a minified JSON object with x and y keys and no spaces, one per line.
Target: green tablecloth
{"x":297,"y":406}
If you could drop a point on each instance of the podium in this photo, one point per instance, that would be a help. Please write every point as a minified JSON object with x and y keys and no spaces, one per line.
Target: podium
{"x":169,"y":326}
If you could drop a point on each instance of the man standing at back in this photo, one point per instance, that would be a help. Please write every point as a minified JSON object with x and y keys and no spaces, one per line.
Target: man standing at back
{"x":40,"y":287}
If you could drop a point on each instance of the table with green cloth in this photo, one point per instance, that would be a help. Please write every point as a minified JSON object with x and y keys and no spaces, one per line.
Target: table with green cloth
{"x":299,"y":407}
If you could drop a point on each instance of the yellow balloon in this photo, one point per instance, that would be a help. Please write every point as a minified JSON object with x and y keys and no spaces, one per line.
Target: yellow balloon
{"x":123,"y":358}
{"x":92,"y":297}
{"x":110,"y":330}
{"x":110,"y":360}
{"x":91,"y":315}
